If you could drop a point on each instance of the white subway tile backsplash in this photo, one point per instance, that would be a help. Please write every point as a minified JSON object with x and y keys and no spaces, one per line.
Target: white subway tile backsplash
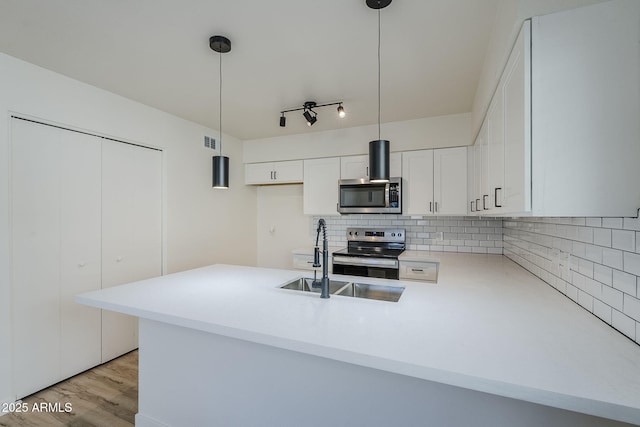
{"x":624,"y":324}
{"x":612,"y":222}
{"x":624,"y":240}
{"x":612,"y":258}
{"x":593,"y":222}
{"x":602,"y":310}
{"x":631,"y":263}
{"x":625,"y":282}
{"x":603,"y":274}
{"x":631,"y":224}
{"x":612,"y":297}
{"x":602,"y":237}
{"x":632,"y":307}
{"x":585,"y":300}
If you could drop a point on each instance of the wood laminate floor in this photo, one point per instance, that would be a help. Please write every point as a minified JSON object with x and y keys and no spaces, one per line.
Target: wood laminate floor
{"x":105,"y":396}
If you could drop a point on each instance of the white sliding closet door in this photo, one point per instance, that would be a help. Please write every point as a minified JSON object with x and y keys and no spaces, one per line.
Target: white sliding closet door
{"x":55,"y":214}
{"x":131,"y":232}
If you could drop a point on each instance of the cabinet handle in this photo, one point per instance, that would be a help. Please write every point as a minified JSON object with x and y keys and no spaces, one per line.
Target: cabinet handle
{"x":309,"y":262}
{"x":495,"y":196}
{"x":472,"y":209}
{"x":275,"y":175}
{"x":367,"y":171}
{"x":417,"y":270}
{"x":436,"y":207}
{"x":484,"y":202}
{"x":477,"y":205}
{"x":430,"y":206}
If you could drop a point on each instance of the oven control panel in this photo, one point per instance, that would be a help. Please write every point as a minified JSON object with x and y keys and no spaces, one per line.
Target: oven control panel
{"x":376,"y":234}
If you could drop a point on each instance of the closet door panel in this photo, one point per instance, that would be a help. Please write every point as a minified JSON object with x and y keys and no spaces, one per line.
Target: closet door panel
{"x":80,"y":258}
{"x":131,"y":230}
{"x":35,"y":260}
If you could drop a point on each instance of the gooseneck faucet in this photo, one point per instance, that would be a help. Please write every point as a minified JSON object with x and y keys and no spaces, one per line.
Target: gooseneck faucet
{"x":323,"y":284}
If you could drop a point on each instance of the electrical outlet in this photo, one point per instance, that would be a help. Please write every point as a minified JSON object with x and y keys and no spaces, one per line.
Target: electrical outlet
{"x":564,"y":264}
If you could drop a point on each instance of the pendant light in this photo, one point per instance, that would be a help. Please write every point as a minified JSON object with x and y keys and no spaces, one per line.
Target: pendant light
{"x":378,"y":149}
{"x":221,"y":45}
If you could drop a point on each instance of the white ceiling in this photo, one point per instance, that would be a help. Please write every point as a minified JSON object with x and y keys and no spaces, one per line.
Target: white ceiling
{"x":284,"y":52}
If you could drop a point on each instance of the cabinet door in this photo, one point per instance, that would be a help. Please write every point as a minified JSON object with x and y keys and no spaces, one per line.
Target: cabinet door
{"x":495,"y":155}
{"x":395,"y":165}
{"x":289,"y":171}
{"x":471,"y":202}
{"x":354,"y":167}
{"x":417,"y":175}
{"x":481,"y":182}
{"x":320,"y":189}
{"x":131,"y":230}
{"x":515,"y":195}
{"x":450,"y":181}
{"x":258,"y":173}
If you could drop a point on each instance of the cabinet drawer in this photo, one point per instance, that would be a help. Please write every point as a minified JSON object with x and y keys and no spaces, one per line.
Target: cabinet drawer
{"x":424,"y":271}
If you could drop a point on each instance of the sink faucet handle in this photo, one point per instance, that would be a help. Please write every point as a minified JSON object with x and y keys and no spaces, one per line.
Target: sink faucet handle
{"x":316,"y":257}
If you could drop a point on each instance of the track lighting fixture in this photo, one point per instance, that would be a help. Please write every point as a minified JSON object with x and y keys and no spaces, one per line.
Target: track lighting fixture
{"x":309,"y":114}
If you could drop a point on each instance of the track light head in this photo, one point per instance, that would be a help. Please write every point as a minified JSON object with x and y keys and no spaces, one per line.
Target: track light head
{"x":341,"y":112}
{"x":309,"y":118}
{"x":283,"y":120}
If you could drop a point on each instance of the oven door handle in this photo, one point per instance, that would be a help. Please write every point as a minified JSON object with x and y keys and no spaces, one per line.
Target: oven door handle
{"x":377,"y":262}
{"x":386,"y":195}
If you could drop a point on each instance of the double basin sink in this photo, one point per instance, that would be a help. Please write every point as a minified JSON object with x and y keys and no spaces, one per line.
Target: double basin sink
{"x":349,"y":289}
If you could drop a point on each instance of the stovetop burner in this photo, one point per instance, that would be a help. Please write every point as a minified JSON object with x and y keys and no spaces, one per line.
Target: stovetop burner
{"x":374,"y":242}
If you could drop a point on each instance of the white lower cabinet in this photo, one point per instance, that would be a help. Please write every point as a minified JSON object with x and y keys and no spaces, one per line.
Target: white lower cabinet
{"x":425,"y":271}
{"x":60,"y":233}
{"x":320,"y":189}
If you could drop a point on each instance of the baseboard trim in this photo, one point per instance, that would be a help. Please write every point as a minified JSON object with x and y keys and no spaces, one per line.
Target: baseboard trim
{"x":146,"y":421}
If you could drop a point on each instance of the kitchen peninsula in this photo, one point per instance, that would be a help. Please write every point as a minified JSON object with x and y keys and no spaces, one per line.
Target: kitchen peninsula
{"x":488,"y":345}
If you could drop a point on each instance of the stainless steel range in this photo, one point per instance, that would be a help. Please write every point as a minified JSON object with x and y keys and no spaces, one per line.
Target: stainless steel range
{"x":371,"y":252}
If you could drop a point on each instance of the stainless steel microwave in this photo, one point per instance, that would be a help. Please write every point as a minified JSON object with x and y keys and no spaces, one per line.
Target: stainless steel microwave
{"x":364,"y":196}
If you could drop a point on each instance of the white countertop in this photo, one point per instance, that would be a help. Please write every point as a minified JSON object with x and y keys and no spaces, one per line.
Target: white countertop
{"x":488,"y":325}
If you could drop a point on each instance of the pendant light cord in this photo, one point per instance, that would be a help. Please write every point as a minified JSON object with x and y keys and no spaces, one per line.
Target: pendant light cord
{"x":379,"y":74}
{"x":220,"y":104}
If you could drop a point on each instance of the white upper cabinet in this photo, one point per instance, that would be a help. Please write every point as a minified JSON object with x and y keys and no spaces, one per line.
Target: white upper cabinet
{"x":320,"y":189}
{"x":435,"y":182}
{"x":417,"y":182}
{"x":586,"y":110}
{"x":356,"y":167}
{"x":450,"y":181}
{"x":505,"y":139}
{"x":273,"y":172}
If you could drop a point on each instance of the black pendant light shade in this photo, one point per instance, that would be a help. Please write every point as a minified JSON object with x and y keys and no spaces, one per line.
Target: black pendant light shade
{"x":379,"y":160}
{"x":220,"y":172}
{"x":378,"y":149}
{"x":221,"y":45}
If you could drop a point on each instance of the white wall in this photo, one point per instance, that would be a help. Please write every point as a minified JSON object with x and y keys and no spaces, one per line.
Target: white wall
{"x":511,"y":14}
{"x":281,"y":226}
{"x":433,"y":132}
{"x":200,"y":224}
